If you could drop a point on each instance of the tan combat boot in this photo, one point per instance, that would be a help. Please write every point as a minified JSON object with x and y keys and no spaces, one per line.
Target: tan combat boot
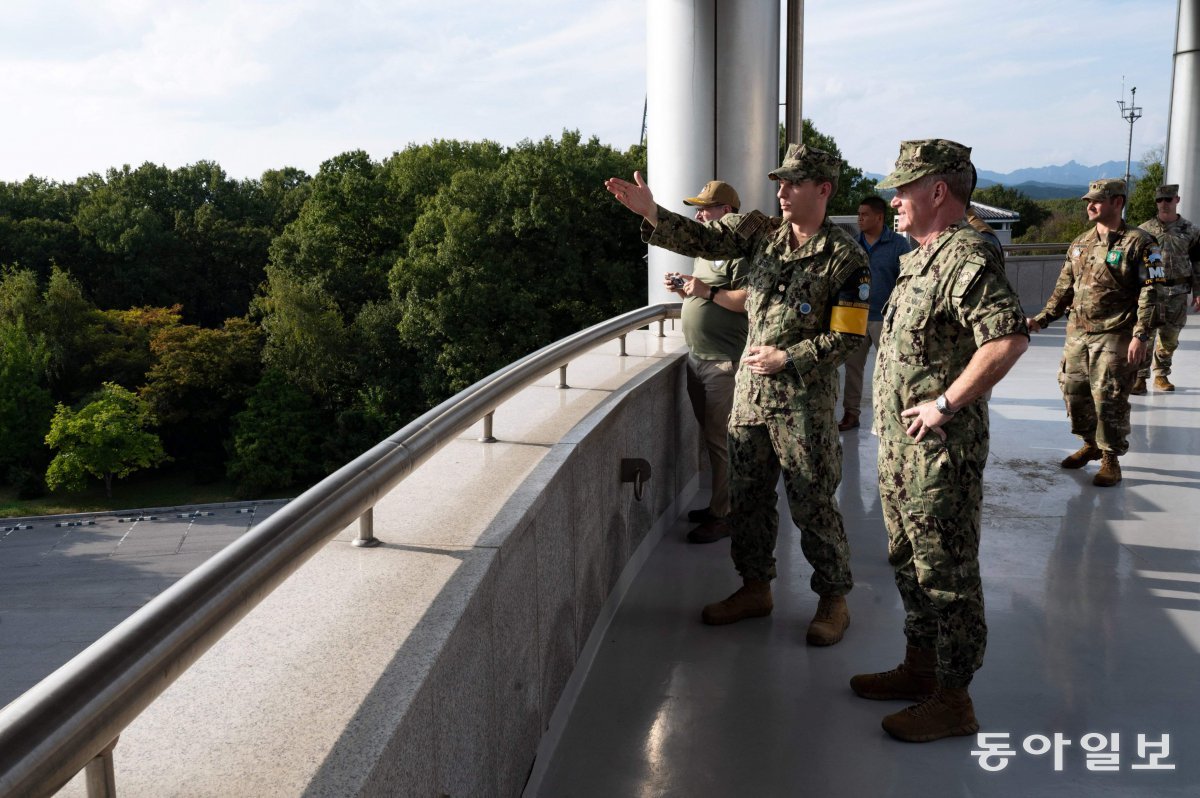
{"x":1161,"y":383}
{"x":1139,"y":387}
{"x":914,"y":679}
{"x":830,"y":621}
{"x":752,"y":600}
{"x":1109,"y":473}
{"x":1088,"y":453}
{"x":946,"y":713}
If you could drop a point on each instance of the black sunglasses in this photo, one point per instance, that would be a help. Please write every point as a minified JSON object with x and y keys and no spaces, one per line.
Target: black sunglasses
{"x":1164,"y":199}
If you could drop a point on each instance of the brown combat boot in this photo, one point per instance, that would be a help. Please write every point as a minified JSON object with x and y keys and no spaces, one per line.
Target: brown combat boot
{"x":946,"y":713}
{"x":830,"y":621}
{"x":1088,"y":453}
{"x":752,"y":600}
{"x":915,"y":679}
{"x":1161,"y":383}
{"x":1109,"y":473}
{"x":1139,"y":387}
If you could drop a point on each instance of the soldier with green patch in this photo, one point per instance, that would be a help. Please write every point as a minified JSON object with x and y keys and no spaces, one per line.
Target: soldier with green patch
{"x":808,"y":296}
{"x":1179,"y":241}
{"x":1109,"y":283}
{"x":952,"y":329}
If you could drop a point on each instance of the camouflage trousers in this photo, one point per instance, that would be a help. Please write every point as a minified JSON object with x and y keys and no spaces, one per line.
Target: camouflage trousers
{"x":931,"y":495}
{"x":1095,"y":378}
{"x":807,"y":449}
{"x":1170,"y":318}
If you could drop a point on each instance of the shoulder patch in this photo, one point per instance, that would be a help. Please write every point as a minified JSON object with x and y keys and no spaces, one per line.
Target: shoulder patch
{"x":972,"y":266}
{"x":750,"y":224}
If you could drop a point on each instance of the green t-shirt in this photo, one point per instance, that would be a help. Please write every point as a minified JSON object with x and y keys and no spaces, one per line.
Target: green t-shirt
{"x":711,"y":331}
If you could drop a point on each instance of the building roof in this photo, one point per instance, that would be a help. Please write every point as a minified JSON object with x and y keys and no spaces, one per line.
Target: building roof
{"x":990,"y":213}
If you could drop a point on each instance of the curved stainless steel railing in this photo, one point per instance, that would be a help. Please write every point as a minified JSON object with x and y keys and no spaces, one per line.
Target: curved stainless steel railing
{"x":72,"y":718}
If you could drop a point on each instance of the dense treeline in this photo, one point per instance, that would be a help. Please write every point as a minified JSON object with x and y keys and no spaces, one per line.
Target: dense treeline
{"x":272,"y":329}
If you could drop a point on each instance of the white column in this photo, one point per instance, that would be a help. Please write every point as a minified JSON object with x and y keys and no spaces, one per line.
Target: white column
{"x":747,"y":100}
{"x":1183,"y":134}
{"x":680,"y":116}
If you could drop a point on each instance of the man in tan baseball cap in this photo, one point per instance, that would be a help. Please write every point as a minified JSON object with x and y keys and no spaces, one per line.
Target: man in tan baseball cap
{"x":714,"y":326}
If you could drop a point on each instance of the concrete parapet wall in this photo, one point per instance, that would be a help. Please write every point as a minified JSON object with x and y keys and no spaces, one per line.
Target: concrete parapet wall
{"x":432,"y":664}
{"x":1033,"y":278}
{"x":562,"y":541}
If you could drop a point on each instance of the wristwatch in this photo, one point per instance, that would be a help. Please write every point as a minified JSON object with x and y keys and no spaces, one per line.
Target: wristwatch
{"x":712,"y":293}
{"x":943,"y":406}
{"x":1143,"y":337}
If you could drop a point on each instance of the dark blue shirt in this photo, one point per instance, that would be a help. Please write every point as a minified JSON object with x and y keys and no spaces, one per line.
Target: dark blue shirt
{"x":885,"y":265}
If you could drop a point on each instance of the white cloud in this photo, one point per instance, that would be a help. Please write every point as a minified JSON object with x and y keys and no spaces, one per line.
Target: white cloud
{"x":257,"y":84}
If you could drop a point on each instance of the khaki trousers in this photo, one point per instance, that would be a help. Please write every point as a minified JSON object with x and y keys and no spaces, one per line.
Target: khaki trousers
{"x":710,"y":387}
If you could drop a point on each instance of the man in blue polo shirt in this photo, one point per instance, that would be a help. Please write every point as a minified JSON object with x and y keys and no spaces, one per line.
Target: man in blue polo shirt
{"x":884,"y":248}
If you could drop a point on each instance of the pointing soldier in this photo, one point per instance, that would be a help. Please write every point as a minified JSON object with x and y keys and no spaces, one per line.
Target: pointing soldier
{"x":808,"y":289}
{"x":1109,"y":282}
{"x":952,"y":328}
{"x":1179,"y":241}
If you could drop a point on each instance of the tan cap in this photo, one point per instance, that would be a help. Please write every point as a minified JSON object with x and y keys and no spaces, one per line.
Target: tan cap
{"x":715,"y":192}
{"x":921,"y":157}
{"x":1168,"y":191}
{"x":803,"y":162}
{"x":1105,"y":188}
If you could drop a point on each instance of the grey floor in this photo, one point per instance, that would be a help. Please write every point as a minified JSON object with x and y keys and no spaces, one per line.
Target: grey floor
{"x":66,"y":581}
{"x":1092,"y":599}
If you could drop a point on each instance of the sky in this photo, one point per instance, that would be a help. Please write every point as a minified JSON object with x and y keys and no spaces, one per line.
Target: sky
{"x":263,"y":84}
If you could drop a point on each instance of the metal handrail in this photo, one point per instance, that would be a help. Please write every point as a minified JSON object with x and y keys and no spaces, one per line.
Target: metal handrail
{"x":1050,"y":249}
{"x":74,"y":715}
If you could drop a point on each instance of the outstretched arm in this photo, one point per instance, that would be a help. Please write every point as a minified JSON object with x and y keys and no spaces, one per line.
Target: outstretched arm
{"x":635,"y":196}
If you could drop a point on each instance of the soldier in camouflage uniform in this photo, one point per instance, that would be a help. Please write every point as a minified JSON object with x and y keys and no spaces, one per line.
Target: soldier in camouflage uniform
{"x":1109,"y":283}
{"x":809,"y":286}
{"x":952,"y":328}
{"x":1179,"y":241}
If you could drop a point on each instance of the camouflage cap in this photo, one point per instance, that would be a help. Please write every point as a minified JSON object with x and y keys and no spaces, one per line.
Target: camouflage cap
{"x":1168,"y":191}
{"x":715,"y":192}
{"x":803,"y":162}
{"x":921,"y":157}
{"x":1105,"y":188}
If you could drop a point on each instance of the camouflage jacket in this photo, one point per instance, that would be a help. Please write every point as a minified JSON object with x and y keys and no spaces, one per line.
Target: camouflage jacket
{"x":792,"y":294}
{"x":1180,"y":244}
{"x":951,"y":298}
{"x":1108,"y":285}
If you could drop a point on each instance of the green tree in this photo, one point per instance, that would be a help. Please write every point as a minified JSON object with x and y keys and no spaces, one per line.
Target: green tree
{"x":25,"y":407}
{"x":505,"y":260}
{"x":108,"y":437}
{"x":1066,"y":219}
{"x":1142,"y":206}
{"x":1013,"y":199}
{"x":199,"y":380}
{"x":276,"y":439}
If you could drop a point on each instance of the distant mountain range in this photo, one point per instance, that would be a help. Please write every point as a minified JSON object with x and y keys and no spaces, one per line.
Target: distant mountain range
{"x":1052,"y":182}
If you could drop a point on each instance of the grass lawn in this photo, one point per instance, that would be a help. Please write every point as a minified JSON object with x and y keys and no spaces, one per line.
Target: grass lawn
{"x":161,"y":488}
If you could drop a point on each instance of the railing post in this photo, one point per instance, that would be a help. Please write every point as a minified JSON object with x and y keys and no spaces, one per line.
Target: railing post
{"x":366,"y":530}
{"x":623,"y":352}
{"x":562,"y":376}
{"x":486,"y":437}
{"x":99,"y":774}
{"x":661,"y":334}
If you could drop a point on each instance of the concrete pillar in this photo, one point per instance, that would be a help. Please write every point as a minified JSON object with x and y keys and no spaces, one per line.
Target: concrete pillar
{"x":794,"y":65}
{"x":1183,"y":133}
{"x":747,"y":117}
{"x":712,"y":77}
{"x":680,"y":115}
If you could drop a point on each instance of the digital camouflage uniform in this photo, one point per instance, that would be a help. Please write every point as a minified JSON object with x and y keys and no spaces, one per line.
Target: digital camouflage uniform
{"x":1179,"y":242}
{"x":951,"y":298}
{"x":795,"y":296}
{"x":1109,"y":286}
